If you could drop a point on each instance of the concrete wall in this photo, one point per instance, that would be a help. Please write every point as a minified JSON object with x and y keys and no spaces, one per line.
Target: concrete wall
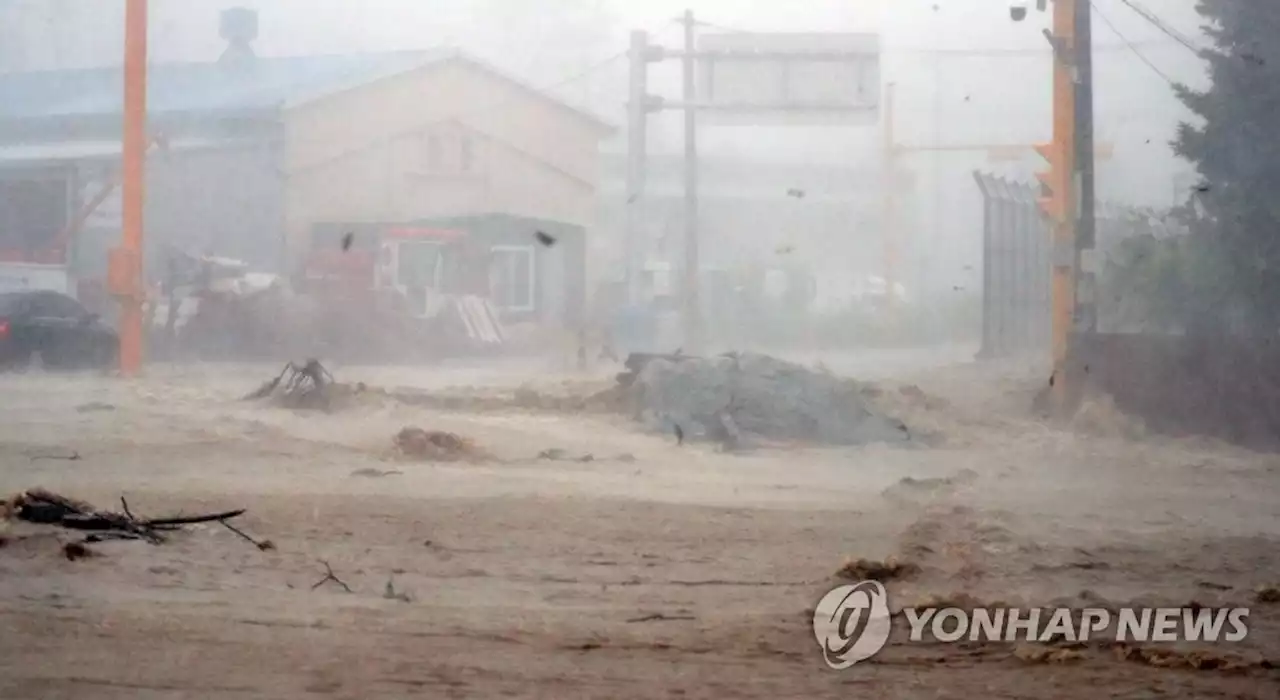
{"x":367,"y":154}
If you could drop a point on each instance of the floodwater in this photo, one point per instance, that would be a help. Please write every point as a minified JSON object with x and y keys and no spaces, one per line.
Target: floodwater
{"x":652,"y":570}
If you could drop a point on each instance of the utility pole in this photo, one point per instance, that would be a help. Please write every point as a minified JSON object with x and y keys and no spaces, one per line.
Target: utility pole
{"x":642,"y":53}
{"x":1068,"y":187}
{"x":692,"y":304}
{"x":635,"y":246}
{"x":1058,"y":189}
{"x":1085,"y":304}
{"x":125,"y":264}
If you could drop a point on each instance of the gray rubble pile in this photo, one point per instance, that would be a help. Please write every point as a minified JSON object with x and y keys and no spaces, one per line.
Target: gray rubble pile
{"x":733,"y":397}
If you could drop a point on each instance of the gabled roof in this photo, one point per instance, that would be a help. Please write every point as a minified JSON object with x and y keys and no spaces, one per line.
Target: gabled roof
{"x":263,"y":84}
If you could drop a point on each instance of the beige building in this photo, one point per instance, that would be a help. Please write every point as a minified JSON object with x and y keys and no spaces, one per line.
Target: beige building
{"x":265,"y":158}
{"x":447,"y":138}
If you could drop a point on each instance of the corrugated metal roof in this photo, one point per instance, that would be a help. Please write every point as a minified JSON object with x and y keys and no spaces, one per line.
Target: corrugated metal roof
{"x":265,"y":83}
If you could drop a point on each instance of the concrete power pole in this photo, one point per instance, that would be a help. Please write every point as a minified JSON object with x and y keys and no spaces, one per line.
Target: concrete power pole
{"x":692,"y":305}
{"x":126,"y":271}
{"x":641,"y":104}
{"x":1085,"y":316}
{"x":1068,"y":185}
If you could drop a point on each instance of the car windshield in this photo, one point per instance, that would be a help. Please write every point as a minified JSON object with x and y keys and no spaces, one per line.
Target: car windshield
{"x":54,"y":305}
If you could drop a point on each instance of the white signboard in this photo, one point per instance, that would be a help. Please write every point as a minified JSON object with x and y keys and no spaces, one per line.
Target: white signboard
{"x":24,"y":277}
{"x":789,"y":79}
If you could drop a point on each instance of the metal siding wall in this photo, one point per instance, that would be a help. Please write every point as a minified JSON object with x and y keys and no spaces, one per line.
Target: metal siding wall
{"x":1016,"y":267}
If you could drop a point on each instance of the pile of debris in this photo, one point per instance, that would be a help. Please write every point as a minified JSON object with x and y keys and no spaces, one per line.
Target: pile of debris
{"x":309,"y":386}
{"x":435,"y":445}
{"x":734,"y":397}
{"x":42,"y":507}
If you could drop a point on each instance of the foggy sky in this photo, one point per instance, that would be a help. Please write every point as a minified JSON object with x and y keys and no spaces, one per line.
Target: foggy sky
{"x":997,"y":93}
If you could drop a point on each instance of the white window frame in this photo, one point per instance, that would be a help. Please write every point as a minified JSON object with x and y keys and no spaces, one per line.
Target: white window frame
{"x":532,"y":292}
{"x":437,"y":270}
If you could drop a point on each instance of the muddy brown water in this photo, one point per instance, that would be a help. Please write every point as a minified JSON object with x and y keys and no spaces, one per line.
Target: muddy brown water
{"x":520,"y":577}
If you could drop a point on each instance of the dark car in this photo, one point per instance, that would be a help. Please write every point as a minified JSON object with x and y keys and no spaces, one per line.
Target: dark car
{"x":65,"y":334}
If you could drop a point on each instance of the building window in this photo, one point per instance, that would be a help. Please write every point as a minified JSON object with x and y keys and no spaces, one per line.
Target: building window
{"x":511,"y":278}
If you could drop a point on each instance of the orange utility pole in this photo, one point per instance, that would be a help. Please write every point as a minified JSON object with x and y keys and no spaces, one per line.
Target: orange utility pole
{"x":125,"y":266}
{"x":1058,"y":190}
{"x":1055,"y":185}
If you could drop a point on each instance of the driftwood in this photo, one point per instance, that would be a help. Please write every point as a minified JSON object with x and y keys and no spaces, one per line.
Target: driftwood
{"x":262,"y":545}
{"x":73,"y":457}
{"x":45,"y":507}
{"x":48,"y":508}
{"x":329,"y":576}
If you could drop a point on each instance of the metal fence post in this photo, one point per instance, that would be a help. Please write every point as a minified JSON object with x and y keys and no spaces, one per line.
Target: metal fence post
{"x":985,"y":350}
{"x":1031,"y":262}
{"x":1006,"y":279}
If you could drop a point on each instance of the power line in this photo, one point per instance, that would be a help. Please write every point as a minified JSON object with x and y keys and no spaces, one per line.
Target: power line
{"x":1142,"y":57}
{"x":602,"y":63}
{"x":1163,"y":26}
{"x":976,"y":53}
{"x":495,"y":105}
{"x":1009,"y":52}
{"x":721,"y":27}
{"x":586,"y":72}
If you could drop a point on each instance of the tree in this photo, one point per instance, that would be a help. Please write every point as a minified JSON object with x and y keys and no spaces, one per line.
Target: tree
{"x":1234,"y":215}
{"x":1150,"y":272}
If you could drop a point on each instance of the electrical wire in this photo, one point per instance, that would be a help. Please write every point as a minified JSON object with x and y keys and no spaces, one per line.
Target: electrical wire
{"x":721,"y":27}
{"x":1163,"y":26}
{"x":585,"y":73}
{"x":604,"y":62}
{"x":495,"y":105}
{"x":1141,"y":56}
{"x":976,"y":53}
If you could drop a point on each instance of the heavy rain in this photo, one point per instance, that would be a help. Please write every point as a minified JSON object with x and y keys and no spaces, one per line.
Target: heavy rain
{"x":599,"y":348}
